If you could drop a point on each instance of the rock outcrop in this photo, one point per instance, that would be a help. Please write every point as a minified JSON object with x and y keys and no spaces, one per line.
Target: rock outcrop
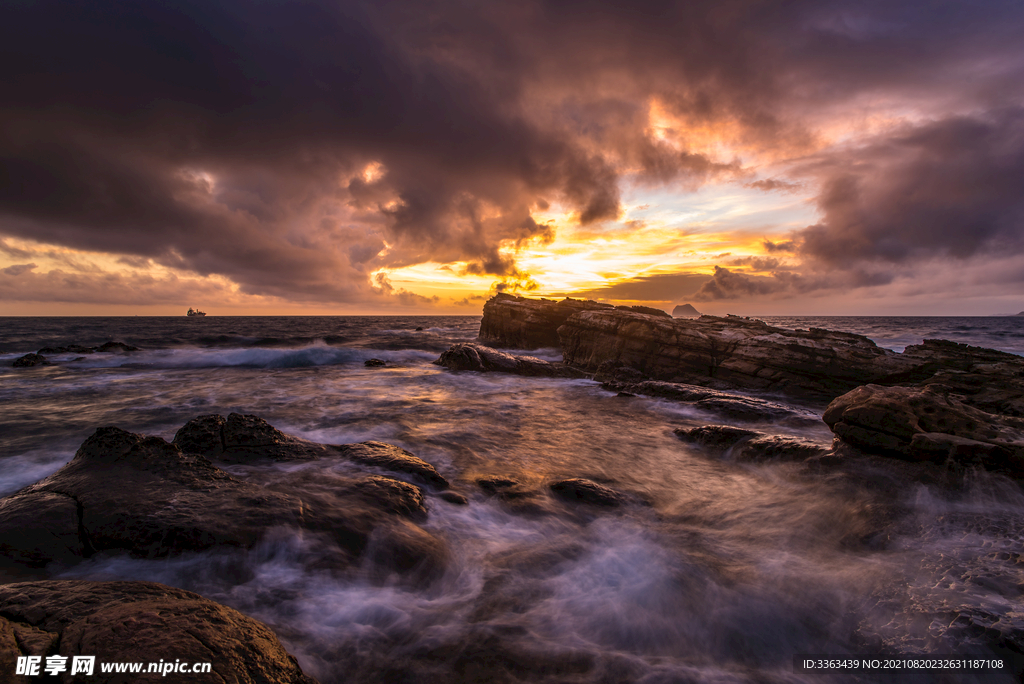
{"x":928,"y":423}
{"x":749,"y":445}
{"x":475,"y":357}
{"x":728,"y":352}
{"x":959,"y":406}
{"x":685,"y":310}
{"x":30,"y":360}
{"x":731,"y":406}
{"x":587,"y":491}
{"x":129,"y":493}
{"x":136,"y":622}
{"x":522,"y":323}
{"x":246,"y":439}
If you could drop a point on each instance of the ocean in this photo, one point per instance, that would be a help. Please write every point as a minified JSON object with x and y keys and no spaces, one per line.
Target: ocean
{"x":731,"y":570}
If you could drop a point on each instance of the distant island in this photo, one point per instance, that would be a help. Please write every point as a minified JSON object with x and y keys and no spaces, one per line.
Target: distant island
{"x":685,"y":310}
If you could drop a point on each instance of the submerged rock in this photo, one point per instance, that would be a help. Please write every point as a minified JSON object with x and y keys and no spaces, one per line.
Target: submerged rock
{"x":137,"y":622}
{"x":131,"y":493}
{"x":734,"y":406}
{"x":750,"y":445}
{"x":587,"y":491}
{"x":29,"y":360}
{"x":475,"y":357}
{"x":927,"y":423}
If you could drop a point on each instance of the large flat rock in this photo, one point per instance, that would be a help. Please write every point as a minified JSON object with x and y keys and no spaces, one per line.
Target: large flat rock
{"x":522,"y":323}
{"x":728,"y":352}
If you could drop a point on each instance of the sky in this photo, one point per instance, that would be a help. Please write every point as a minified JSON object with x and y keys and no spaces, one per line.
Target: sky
{"x":755,"y":157}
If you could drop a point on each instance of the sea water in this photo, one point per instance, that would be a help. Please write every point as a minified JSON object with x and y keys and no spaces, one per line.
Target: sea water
{"x":730,"y":571}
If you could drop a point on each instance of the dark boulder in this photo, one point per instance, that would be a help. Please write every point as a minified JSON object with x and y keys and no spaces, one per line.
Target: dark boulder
{"x":587,"y":491}
{"x":137,"y":622}
{"x":245,"y":439}
{"x":29,"y":360}
{"x":374,"y":363}
{"x":475,"y":357}
{"x":749,"y":445}
{"x":139,"y":495}
{"x":393,"y":458}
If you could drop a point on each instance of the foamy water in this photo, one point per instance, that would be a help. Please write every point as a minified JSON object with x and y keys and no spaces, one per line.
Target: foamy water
{"x":721,"y":571}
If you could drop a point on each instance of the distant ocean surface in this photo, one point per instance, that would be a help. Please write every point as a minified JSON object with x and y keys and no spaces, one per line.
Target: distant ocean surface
{"x":732,"y":570}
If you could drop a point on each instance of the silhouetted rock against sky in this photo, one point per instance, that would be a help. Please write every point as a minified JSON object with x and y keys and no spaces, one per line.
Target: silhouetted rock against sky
{"x":685,"y":310}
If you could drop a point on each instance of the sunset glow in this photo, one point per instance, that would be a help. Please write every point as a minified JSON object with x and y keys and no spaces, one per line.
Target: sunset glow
{"x":813,"y":157}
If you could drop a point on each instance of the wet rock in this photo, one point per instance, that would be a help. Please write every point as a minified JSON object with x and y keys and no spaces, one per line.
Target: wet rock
{"x":750,"y":445}
{"x":715,"y":437}
{"x":986,"y":379}
{"x":522,"y":323}
{"x":475,"y":357}
{"x":29,"y":360}
{"x":498,"y":485}
{"x":246,"y":438}
{"x":730,"y":352}
{"x":732,"y":406}
{"x":130,"y":493}
{"x":587,"y":491}
{"x":395,"y":459}
{"x":927,"y":423}
{"x":419,"y":328}
{"x":138,"y":622}
{"x":454,"y":498}
{"x":374,"y":363}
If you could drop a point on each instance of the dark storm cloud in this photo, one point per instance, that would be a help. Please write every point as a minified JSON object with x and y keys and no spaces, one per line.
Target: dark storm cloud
{"x":950,"y":188}
{"x":229,"y":138}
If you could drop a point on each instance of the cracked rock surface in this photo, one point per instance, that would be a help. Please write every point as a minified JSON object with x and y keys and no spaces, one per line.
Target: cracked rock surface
{"x":138,"y":622}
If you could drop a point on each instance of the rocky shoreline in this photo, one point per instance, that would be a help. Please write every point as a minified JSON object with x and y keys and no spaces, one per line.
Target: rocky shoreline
{"x":940,"y":402}
{"x":930,"y":414}
{"x":125,"y":494}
